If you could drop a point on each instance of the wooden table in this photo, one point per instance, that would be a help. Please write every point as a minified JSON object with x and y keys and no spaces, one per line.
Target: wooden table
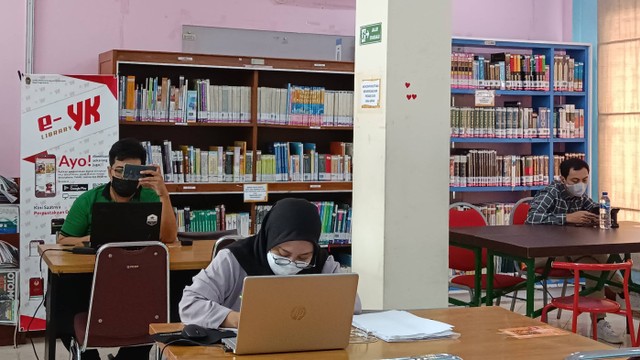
{"x":185,"y":261}
{"x":479,"y":340}
{"x":527,"y":242}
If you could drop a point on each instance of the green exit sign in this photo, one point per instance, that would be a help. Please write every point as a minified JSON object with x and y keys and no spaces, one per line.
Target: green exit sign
{"x":370,"y":34}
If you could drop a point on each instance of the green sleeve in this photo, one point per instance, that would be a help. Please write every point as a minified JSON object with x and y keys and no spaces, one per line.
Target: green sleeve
{"x":78,"y":220}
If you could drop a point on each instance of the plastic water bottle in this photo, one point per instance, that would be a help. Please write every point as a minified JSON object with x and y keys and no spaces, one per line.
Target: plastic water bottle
{"x":605,"y":211}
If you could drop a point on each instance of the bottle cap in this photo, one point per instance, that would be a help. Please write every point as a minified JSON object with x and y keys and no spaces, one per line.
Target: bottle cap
{"x":605,"y":193}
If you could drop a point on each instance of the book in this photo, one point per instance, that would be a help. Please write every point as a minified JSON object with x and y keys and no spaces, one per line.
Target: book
{"x":528,"y":332}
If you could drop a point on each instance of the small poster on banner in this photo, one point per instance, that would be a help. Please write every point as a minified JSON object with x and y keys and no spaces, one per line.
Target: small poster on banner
{"x":68,"y":125}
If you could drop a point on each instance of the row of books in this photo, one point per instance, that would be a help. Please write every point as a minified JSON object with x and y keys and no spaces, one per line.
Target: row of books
{"x":500,"y":122}
{"x":568,"y":74}
{"x":483,"y":168}
{"x":514,"y":122}
{"x":192,"y":164}
{"x":305,"y":106}
{"x":199,"y":101}
{"x":287,"y":161}
{"x":500,"y":71}
{"x":558,"y":159}
{"x":215,"y":219}
{"x":335,"y":218}
{"x":568,"y":122}
{"x":297,"y":161}
{"x":506,"y":71}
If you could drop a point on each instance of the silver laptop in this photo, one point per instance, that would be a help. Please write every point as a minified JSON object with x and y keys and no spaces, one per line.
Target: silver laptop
{"x":295,"y":313}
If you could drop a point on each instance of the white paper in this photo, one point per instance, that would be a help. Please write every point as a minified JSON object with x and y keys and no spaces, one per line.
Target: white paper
{"x":395,"y":325}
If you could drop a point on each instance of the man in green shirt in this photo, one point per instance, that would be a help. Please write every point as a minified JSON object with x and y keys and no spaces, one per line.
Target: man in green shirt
{"x":151,"y":188}
{"x":75,"y":291}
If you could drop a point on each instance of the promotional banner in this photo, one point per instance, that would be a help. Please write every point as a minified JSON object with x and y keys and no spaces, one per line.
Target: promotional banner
{"x":68,"y":125}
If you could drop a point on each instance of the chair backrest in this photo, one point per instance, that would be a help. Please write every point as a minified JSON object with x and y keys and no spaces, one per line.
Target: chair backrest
{"x":223,"y":242}
{"x":210,"y":235}
{"x":465,"y":214}
{"x":520,"y":211}
{"x":130,"y":290}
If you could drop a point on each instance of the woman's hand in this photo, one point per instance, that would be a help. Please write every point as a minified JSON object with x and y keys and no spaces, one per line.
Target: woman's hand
{"x":232,"y":320}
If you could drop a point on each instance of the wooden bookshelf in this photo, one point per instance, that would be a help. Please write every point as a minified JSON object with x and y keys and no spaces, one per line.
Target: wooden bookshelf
{"x":236,"y":71}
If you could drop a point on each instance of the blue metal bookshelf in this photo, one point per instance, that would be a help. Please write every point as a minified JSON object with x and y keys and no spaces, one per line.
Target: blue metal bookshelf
{"x":550,"y":99}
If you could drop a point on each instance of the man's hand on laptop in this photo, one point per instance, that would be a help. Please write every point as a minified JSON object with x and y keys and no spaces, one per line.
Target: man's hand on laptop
{"x":232,"y":320}
{"x":153,"y":180}
{"x":582,"y":217}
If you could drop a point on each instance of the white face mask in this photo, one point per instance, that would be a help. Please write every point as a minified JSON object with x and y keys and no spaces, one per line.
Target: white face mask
{"x":577,"y":189}
{"x":289,"y":269}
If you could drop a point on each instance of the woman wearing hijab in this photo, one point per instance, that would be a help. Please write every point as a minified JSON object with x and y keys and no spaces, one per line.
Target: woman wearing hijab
{"x":287,"y":244}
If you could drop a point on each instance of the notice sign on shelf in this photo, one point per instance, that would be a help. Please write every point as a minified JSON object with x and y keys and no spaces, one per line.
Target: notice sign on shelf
{"x":256,"y":192}
{"x":485,"y":98}
{"x":370,"y":93}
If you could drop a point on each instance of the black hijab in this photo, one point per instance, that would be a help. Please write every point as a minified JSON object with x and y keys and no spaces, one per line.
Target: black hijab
{"x":289,"y":219}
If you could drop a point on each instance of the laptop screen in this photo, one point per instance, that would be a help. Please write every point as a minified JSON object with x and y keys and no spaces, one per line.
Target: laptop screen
{"x":125,"y":222}
{"x":296,"y":313}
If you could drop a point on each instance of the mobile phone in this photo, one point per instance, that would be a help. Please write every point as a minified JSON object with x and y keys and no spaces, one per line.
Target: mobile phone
{"x":132,"y":172}
{"x":45,"y":173}
{"x":36,"y":287}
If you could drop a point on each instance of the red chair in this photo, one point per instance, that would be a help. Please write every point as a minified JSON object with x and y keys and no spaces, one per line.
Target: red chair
{"x":518,"y":217}
{"x":581,"y":304}
{"x":464,"y":260}
{"x":130,"y":291}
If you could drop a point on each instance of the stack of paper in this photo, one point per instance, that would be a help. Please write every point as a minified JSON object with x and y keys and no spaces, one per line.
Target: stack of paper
{"x":399,"y":326}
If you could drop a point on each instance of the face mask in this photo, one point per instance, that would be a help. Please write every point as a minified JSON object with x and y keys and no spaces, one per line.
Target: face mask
{"x":124,"y":188}
{"x":289,"y":269}
{"x":577,"y":189}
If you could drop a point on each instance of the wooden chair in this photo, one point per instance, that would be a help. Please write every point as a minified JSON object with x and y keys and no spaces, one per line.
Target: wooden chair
{"x":580,"y":304}
{"x":462,"y":259}
{"x":130,"y":290}
{"x":223,"y":242}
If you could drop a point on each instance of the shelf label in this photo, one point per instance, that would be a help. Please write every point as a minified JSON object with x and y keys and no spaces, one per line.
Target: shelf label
{"x":370,"y":34}
{"x":188,"y":187}
{"x":256,"y":192}
{"x":370,"y":94}
{"x":485,"y":97}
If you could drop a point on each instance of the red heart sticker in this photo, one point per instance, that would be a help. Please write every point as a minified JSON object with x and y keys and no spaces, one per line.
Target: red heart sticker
{"x":413,"y":96}
{"x":407,"y":85}
{"x":408,"y":96}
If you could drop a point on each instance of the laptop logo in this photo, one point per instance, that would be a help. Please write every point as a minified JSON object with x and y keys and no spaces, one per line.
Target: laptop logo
{"x":152,"y":220}
{"x":298,"y":312}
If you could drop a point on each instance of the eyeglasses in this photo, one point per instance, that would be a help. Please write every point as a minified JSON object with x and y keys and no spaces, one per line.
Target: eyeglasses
{"x":283,"y":261}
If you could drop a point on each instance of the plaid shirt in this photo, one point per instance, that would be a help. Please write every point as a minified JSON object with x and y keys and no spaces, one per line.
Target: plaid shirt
{"x":552,"y":204}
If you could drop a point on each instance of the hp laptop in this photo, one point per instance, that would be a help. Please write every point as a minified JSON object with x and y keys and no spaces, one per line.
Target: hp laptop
{"x":295,"y":313}
{"x":125,"y":222}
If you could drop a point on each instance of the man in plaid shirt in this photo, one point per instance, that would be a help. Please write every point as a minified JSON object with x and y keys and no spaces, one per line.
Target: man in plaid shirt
{"x":566,"y":202}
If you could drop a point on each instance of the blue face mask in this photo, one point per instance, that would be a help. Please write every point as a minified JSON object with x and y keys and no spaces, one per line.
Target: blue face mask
{"x":577,"y":189}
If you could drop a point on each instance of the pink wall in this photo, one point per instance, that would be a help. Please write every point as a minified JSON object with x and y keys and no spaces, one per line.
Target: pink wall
{"x":70,"y":34}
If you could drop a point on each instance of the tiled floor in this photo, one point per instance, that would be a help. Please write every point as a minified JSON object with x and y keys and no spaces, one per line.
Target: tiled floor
{"x":25,"y":352}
